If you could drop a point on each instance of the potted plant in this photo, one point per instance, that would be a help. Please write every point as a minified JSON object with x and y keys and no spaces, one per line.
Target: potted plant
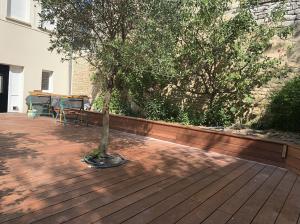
{"x":31,"y":113}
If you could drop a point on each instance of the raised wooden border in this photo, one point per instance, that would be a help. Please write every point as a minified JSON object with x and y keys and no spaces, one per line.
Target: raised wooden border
{"x":293,"y":158}
{"x":262,"y":150}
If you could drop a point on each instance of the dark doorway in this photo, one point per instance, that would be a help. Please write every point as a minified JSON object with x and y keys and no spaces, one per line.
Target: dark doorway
{"x":4,"y":73}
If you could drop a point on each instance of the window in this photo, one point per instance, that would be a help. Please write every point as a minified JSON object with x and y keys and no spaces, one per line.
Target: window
{"x":47,"y":85}
{"x":19,"y":9}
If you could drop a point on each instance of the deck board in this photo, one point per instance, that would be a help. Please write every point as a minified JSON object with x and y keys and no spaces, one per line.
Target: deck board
{"x":249,"y":210}
{"x":291,"y":209}
{"x":42,"y":180}
{"x":202,"y":210}
{"x":151,"y":213}
{"x":271,"y":209}
{"x":229,"y":208}
{"x":151,"y":200}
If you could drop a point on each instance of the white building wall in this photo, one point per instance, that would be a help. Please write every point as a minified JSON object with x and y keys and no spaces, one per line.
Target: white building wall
{"x":26,"y":45}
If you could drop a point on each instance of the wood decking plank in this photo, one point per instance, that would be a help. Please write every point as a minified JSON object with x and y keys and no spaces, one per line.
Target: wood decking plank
{"x":239,"y":198}
{"x":79,"y":195}
{"x":40,"y":215}
{"x":117,"y":205}
{"x":270,"y":211}
{"x":39,"y":180}
{"x":37,"y":206}
{"x":52,"y":210}
{"x":147,"y":202}
{"x":217,"y":217}
{"x":291,"y":209}
{"x":160,"y":208}
{"x":202,"y":210}
{"x":113,"y":177}
{"x":43,"y":181}
{"x":64,"y":187}
{"x":203,"y":196}
{"x":114,"y":170}
{"x":248,"y":211}
{"x":101,"y":200}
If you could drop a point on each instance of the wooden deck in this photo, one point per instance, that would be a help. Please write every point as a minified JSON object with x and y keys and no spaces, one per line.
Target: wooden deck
{"x":43,"y":181}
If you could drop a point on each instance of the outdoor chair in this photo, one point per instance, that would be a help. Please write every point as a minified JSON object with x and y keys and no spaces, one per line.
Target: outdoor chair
{"x":71,"y":110}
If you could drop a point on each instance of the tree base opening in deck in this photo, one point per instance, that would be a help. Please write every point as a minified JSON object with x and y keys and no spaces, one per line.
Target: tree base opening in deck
{"x":108,"y":161}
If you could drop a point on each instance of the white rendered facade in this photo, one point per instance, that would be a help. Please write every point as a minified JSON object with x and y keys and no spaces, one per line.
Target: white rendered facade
{"x":24,"y":52}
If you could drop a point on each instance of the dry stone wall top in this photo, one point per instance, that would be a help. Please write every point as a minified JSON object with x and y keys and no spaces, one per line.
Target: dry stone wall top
{"x":291,"y":7}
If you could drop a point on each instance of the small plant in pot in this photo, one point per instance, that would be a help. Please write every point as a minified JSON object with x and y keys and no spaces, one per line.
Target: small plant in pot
{"x":32,"y":113}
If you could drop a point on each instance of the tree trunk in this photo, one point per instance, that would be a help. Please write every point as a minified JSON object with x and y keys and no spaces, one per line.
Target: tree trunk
{"x":105,"y":124}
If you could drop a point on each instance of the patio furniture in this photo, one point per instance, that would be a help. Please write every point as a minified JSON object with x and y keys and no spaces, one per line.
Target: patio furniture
{"x":63,"y":108}
{"x":71,"y":108}
{"x":40,"y":103}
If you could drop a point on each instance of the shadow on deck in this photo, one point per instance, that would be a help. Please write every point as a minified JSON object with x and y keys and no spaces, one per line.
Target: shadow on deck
{"x":43,"y":181}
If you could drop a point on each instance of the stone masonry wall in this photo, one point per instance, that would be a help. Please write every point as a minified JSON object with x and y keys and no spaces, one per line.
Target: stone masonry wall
{"x":291,"y":7}
{"x":291,"y":57}
{"x":81,"y":80}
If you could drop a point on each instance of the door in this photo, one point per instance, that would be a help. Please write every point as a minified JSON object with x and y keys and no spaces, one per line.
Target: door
{"x":15,"y":89}
{"x":4,"y":77}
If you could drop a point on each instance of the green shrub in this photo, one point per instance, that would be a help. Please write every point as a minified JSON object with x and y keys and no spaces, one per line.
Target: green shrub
{"x":116,"y":105}
{"x":218,"y":116}
{"x":283,"y":112}
{"x":161,"y":109}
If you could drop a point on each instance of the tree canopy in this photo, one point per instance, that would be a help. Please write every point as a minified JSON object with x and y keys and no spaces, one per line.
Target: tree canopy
{"x":185,"y":61}
{"x":199,"y":63}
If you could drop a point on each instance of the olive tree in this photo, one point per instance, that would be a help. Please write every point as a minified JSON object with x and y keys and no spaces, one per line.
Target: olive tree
{"x":96,"y":30}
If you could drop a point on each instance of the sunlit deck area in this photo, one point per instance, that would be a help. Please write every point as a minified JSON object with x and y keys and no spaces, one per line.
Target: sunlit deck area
{"x":42,"y":180}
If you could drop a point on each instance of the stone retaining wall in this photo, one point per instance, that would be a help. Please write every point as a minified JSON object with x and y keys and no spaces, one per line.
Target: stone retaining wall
{"x":291,"y":57}
{"x":292,"y":11}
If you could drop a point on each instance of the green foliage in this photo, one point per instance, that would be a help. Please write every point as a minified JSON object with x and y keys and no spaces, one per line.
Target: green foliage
{"x":116,"y":106}
{"x":182,"y":61}
{"x":200,"y":52}
{"x":283,"y":112}
{"x":161,"y":109}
